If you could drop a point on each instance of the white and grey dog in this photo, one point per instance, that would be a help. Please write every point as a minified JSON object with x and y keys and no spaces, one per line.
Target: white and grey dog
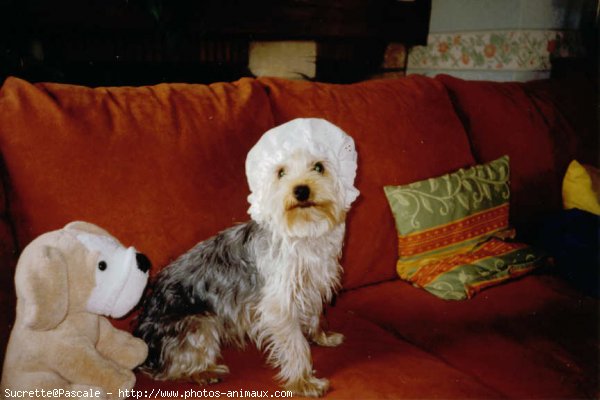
{"x":267,"y":279}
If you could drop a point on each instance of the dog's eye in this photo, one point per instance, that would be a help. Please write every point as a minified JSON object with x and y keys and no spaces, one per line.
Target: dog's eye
{"x":102,"y":265}
{"x":319,"y":168}
{"x":280,"y":173}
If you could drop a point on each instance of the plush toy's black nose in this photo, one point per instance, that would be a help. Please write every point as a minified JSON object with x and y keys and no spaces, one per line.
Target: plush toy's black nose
{"x":301,"y":192}
{"x":143,"y":262}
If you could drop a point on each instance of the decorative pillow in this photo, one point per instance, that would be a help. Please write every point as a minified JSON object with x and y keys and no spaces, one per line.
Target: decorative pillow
{"x":580,"y":188}
{"x":452,"y":231}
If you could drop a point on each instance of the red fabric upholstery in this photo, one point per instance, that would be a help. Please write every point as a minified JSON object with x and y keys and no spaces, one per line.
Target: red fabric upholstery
{"x":501,"y":118}
{"x":405,"y":130}
{"x":160,"y":167}
{"x":569,"y":110}
{"x":7,"y":241}
{"x":531,"y":338}
{"x":8,"y":260}
{"x":371,"y":364}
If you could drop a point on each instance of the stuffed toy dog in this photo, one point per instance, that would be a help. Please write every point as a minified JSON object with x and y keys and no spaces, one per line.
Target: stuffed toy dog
{"x":65,"y":281}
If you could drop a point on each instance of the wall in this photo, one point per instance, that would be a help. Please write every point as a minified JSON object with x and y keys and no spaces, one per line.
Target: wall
{"x":499,"y":39}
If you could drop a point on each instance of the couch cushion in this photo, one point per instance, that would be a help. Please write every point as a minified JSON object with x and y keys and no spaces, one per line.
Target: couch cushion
{"x":7,"y":264}
{"x":404,"y":129}
{"x":501,"y":118}
{"x":531,"y":338}
{"x":370,"y":364}
{"x":160,"y":167}
{"x":7,"y":240}
{"x":569,"y":108}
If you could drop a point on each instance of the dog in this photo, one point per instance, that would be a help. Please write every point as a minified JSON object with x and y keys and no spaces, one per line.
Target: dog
{"x":268,"y":279}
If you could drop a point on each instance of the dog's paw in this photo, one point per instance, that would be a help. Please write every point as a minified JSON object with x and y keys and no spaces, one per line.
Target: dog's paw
{"x":214,"y":374}
{"x":309,"y":387}
{"x":329,"y":339}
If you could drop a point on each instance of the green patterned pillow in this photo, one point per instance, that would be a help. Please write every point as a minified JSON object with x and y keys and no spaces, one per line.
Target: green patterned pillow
{"x":452,"y":231}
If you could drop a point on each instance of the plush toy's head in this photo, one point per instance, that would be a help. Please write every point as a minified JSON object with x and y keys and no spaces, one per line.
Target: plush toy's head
{"x":78,"y":268}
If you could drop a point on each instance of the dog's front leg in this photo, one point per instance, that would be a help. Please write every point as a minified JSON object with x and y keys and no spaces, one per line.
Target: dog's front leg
{"x":289,"y":351}
{"x":317,"y":331}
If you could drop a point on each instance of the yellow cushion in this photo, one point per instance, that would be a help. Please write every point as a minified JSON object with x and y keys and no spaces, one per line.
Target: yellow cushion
{"x":580,"y":188}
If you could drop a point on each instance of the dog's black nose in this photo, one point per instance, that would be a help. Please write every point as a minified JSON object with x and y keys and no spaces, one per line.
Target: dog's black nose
{"x":301,"y":192}
{"x":143,"y":262}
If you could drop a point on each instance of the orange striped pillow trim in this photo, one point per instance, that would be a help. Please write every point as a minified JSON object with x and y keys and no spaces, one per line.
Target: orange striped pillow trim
{"x":474,"y":226}
{"x":492,"y":248}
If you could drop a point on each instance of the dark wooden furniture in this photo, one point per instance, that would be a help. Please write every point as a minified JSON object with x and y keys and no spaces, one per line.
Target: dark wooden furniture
{"x":116,"y":42}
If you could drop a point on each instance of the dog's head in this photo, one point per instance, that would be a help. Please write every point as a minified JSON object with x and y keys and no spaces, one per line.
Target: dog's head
{"x":80,"y":268}
{"x":301,"y":177}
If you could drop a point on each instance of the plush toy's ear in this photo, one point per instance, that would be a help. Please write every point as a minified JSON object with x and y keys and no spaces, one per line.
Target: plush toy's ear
{"x":42,"y":287}
{"x":86,"y":227}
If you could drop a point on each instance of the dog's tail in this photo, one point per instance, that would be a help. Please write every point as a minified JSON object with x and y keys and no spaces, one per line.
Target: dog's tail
{"x":167,"y":312}
{"x":159,"y":324}
{"x":149,"y":328}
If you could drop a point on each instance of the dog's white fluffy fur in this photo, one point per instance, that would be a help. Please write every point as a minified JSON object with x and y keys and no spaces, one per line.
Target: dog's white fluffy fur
{"x":308,"y":240}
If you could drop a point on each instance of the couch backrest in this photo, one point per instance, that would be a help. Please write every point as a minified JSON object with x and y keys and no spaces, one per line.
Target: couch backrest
{"x":8,"y":258}
{"x":570,"y":109}
{"x":525,"y":121}
{"x":8,"y":248}
{"x":405,"y":130}
{"x":160,"y":167}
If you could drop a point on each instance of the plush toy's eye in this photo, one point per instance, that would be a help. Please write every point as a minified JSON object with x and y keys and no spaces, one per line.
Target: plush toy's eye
{"x":102,"y":265}
{"x":319,"y":168}
{"x":280,"y":173}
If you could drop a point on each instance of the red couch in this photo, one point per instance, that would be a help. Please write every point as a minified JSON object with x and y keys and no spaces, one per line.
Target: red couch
{"x":162,"y":167}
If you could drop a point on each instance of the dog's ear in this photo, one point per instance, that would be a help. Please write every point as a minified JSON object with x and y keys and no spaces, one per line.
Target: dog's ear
{"x":42,"y":288}
{"x":86,"y":227}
